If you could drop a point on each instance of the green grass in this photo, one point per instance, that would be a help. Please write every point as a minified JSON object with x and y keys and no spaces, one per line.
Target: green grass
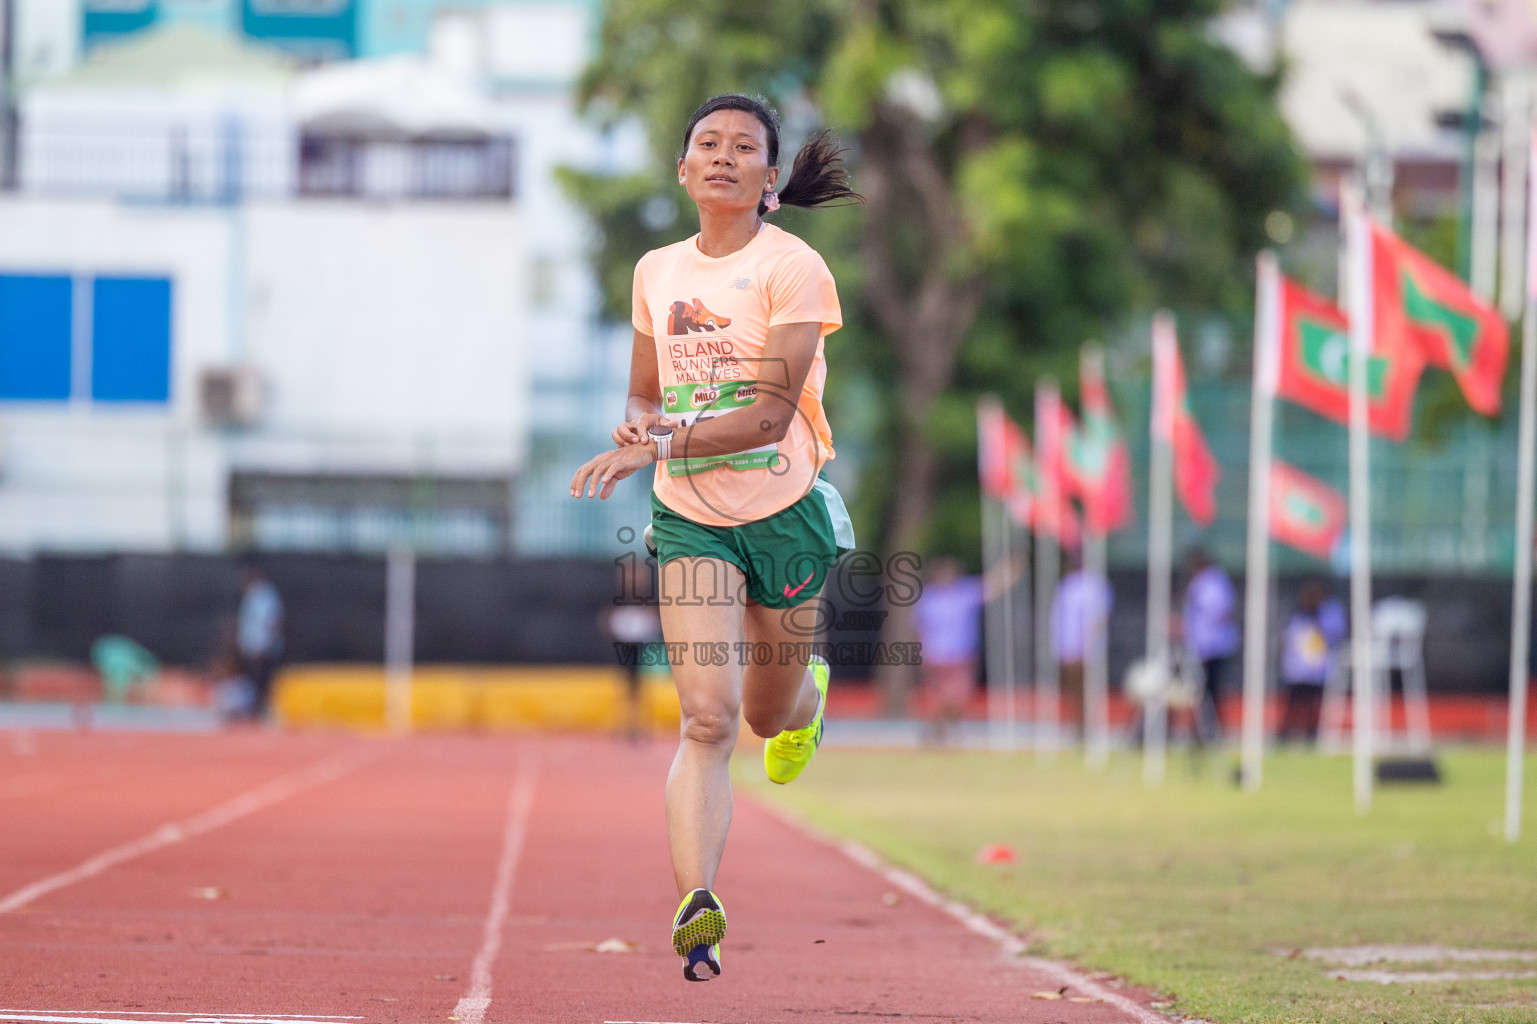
{"x":1196,"y":889}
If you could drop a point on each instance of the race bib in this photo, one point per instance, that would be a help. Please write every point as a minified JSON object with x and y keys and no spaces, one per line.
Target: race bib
{"x":688,"y":404}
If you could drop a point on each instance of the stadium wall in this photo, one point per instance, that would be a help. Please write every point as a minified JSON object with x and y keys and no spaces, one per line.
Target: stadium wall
{"x":546,"y":611}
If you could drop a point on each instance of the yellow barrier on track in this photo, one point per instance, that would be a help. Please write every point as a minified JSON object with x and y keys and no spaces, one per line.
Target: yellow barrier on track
{"x":455,"y":697}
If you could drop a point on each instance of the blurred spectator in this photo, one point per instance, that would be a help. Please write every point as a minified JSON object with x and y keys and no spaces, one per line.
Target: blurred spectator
{"x":1210,"y":629}
{"x":123,"y":665}
{"x":949,"y":620}
{"x":1315,"y":628}
{"x":233,"y":695}
{"x":1080,"y":613}
{"x":633,"y":624}
{"x":259,"y":636}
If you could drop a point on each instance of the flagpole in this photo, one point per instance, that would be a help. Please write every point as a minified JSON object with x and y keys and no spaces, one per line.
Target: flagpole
{"x":1026,"y":610}
{"x":1484,"y":238}
{"x":1358,"y":285}
{"x":1526,"y":454}
{"x":1048,"y":450}
{"x":1257,"y":572}
{"x":1010,"y":672}
{"x":1002,"y":688}
{"x":1513,"y":126}
{"x":1515,"y":749}
{"x":1096,"y":655}
{"x":988,"y":413}
{"x":1160,"y":548}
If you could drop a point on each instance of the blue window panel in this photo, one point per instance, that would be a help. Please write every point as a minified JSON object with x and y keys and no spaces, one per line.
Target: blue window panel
{"x":131,"y":339}
{"x":109,"y":22}
{"x":35,"y":317}
{"x":312,"y":28}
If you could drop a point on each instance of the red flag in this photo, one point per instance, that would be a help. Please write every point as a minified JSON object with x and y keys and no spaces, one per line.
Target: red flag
{"x":1195,"y":468}
{"x":1097,"y":453}
{"x":1004,"y":464}
{"x":1054,"y":513}
{"x":1417,"y":302}
{"x":1305,"y":512}
{"x":1315,"y":363}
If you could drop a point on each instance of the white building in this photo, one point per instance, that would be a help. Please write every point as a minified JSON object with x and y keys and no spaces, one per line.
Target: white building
{"x":195,"y":352}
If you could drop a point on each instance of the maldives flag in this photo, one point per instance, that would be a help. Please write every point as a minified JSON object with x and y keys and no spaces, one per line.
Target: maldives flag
{"x":1004,"y":463}
{"x":1314,"y":369}
{"x":1097,"y":451}
{"x":1305,"y":512}
{"x":1195,"y":468}
{"x":1417,"y":302}
{"x":1054,"y":512}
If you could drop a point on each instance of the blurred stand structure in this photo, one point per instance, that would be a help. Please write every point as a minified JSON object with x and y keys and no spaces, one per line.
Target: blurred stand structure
{"x":255,"y":297}
{"x":299,"y":279}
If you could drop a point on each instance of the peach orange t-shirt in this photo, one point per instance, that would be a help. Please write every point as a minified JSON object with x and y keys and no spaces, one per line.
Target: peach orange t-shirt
{"x":710,"y":319}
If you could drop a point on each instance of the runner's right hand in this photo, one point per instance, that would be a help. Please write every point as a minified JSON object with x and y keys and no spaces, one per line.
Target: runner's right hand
{"x":634,"y":431}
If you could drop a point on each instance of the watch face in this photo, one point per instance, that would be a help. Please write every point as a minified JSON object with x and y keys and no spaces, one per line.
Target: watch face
{"x":659,"y":431}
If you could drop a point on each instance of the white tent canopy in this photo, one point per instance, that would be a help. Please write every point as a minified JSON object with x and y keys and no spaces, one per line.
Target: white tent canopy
{"x":393,"y":98}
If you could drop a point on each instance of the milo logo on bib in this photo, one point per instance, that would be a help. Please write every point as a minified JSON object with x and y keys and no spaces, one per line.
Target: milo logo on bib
{"x":708,"y":401}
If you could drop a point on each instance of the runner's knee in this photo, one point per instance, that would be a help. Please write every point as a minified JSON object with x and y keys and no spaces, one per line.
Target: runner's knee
{"x":713,"y":727}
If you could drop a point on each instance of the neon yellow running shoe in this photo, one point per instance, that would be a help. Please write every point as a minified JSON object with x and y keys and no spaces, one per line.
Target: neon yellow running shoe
{"x":787,"y":755}
{"x":697,"y":929}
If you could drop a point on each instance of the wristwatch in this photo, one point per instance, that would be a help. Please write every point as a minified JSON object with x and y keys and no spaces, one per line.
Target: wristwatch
{"x":663,"y":438}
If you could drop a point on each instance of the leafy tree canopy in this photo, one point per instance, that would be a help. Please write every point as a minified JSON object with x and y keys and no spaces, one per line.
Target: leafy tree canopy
{"x":1037,"y":174}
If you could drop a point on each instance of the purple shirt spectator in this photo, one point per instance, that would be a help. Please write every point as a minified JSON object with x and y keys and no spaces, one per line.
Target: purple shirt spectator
{"x":948,"y":617}
{"x":1307,"y":646}
{"x":1211,"y":630}
{"x":1080,"y":611}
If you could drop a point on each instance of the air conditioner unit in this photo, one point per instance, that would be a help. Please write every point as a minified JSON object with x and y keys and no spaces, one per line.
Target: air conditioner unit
{"x":231,"y":396}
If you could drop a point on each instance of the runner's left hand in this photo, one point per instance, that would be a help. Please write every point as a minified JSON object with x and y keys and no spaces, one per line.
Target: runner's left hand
{"x":600,"y":473}
{"x":634,"y":431}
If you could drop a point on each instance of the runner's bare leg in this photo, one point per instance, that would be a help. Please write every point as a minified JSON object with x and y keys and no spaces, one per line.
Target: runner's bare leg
{"x":780,"y":695}
{"x":701,"y":602}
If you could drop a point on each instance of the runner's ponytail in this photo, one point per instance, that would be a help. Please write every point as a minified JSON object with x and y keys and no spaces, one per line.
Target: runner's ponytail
{"x":818,"y":177}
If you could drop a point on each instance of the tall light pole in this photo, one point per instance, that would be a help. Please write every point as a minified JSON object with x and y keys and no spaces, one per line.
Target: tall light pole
{"x":7,"y":94}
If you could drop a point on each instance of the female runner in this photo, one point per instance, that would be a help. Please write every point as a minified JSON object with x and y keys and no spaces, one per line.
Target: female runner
{"x":726,"y":380}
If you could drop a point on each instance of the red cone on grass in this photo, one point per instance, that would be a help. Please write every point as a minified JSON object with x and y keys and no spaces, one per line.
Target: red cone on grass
{"x":997,"y":853}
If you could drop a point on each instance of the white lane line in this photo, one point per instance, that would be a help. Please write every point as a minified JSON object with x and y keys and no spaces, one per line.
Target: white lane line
{"x":250,"y":1018}
{"x":1012,"y":945}
{"x":472,"y":1008}
{"x":202,"y":1018}
{"x":63,"y":1017}
{"x":1363,"y":956}
{"x":265,"y":795}
{"x":1428,"y":977}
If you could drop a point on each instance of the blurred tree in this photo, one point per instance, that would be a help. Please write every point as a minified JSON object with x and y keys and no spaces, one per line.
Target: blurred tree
{"x":1035,"y":172}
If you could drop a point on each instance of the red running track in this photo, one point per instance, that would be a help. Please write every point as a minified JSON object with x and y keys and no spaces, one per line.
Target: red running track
{"x":254,"y":876}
